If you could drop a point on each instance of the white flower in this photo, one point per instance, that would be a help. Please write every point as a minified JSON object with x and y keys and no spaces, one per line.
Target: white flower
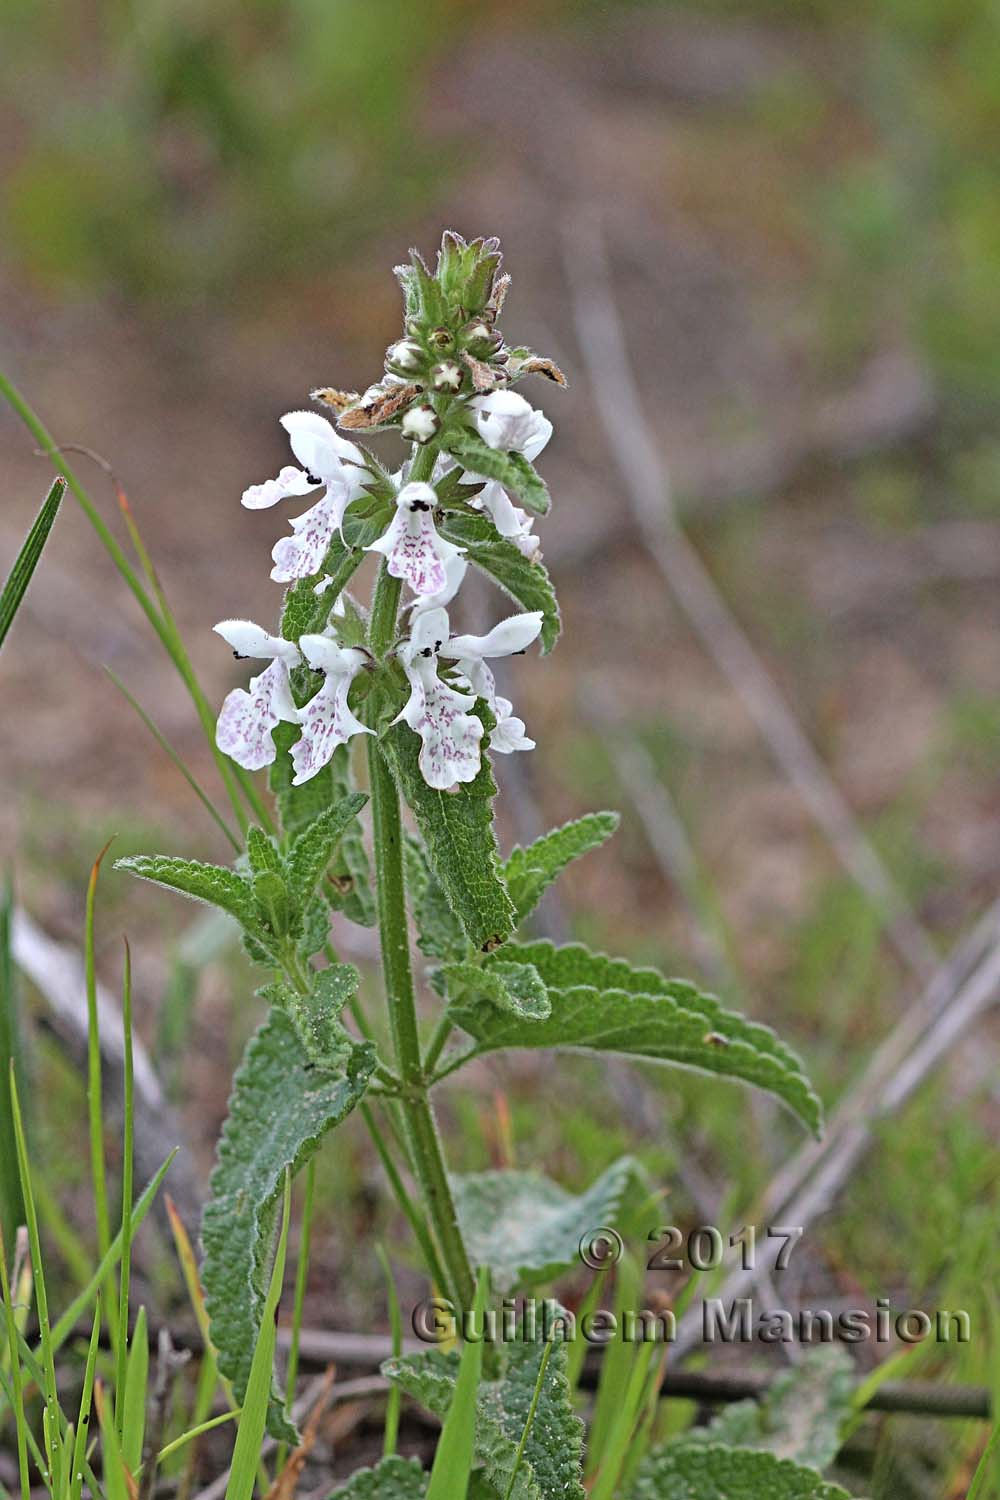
{"x":505,"y":420}
{"x":420,"y":423}
{"x":511,"y":522}
{"x":455,"y":570}
{"x":440,"y":715}
{"x":328,"y":461}
{"x":469,"y":652}
{"x":411,"y":546}
{"x":249,"y":717}
{"x":326,"y":719}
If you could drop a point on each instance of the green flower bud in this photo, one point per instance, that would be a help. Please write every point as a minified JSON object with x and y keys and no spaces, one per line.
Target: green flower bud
{"x":480,"y":339}
{"x":405,"y":357}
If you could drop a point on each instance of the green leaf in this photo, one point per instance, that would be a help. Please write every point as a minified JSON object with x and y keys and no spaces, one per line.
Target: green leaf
{"x":392,"y":1479}
{"x":313,"y":849}
{"x":801,"y":1416}
{"x":279,"y":1111}
{"x":542,"y":1223}
{"x":439,"y":932}
{"x":604,"y":1004}
{"x":316,"y":1016}
{"x":529,"y":872}
{"x":456,"y":1445}
{"x":263,"y":853}
{"x":513,"y":470}
{"x":258,"y":1399}
{"x":550,"y":1466}
{"x":350,"y":888}
{"x":215,"y":884}
{"x":275,"y":913}
{"x":27,"y":559}
{"x":692,"y":1472}
{"x":528,"y":583}
{"x":516,"y":988}
{"x":457,"y":830}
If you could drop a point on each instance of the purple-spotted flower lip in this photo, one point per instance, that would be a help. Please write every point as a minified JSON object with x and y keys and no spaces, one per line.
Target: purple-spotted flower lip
{"x":411,"y":546}
{"x":249,"y":716}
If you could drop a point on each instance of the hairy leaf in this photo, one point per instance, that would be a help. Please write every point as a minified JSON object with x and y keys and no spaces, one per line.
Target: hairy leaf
{"x":279,"y":1111}
{"x":439,"y":932}
{"x":393,"y":1479}
{"x":550,"y":1467}
{"x":215,"y":884}
{"x":529,"y":872}
{"x":263,"y":852}
{"x":603,"y":1004}
{"x":513,"y":470}
{"x":314,"y":847}
{"x":527,"y":583}
{"x":517,"y":988}
{"x":800,"y":1417}
{"x":542,"y":1223}
{"x":682,"y":1471}
{"x":349,"y":887}
{"x":275,"y":912}
{"x":316,"y":1016}
{"x":457,"y":830}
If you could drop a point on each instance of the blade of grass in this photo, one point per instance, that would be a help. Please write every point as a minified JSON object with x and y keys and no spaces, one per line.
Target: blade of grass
{"x":94,"y":1099}
{"x":125,"y":1265}
{"x":119,"y":1484}
{"x":453,"y":1460}
{"x":301,"y":1282}
{"x":51,"y":1412}
{"x":178,"y":1443}
{"x":615,"y":1363}
{"x":414,"y":1217}
{"x":188,"y":775}
{"x":250,"y":1433}
{"x":536,"y":1396}
{"x":612,"y":1455}
{"x":6,"y":1389}
{"x":577,"y":1351}
{"x":984,"y":1465}
{"x":394,"y":1400}
{"x":11,"y":1201}
{"x":28,"y":557}
{"x":86,"y":1398}
{"x":17,"y":1397}
{"x":133,"y":1421}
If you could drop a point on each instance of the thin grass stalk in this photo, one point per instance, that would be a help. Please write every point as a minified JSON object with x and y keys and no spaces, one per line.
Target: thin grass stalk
{"x":301,"y":1282}
{"x":125,"y":1266}
{"x":17,"y":1393}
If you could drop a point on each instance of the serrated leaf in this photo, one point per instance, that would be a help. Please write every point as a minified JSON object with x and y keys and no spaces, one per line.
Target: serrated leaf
{"x":348,"y":889}
{"x":314,"y":847}
{"x":214,"y":884}
{"x":392,"y":1479}
{"x":551,"y":1464}
{"x":684,"y":1471}
{"x":603,"y":1004}
{"x":263,"y":852}
{"x":528,"y":583}
{"x":279,"y":1111}
{"x":275,"y":913}
{"x":28,"y":558}
{"x":316,"y":1016}
{"x":457,"y":830}
{"x":513,"y":987}
{"x":800,"y":1417}
{"x":529,"y":872}
{"x":439,"y":932}
{"x":516,"y":473}
{"x":542,"y":1223}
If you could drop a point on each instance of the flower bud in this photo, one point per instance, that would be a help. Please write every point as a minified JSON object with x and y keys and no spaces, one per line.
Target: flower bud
{"x":441,"y":338}
{"x":447,"y":376}
{"x":404,"y":357}
{"x":480,"y":339}
{"x":420,"y":423}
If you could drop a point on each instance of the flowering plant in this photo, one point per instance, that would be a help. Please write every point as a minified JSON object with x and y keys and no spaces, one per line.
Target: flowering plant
{"x":424,"y":704}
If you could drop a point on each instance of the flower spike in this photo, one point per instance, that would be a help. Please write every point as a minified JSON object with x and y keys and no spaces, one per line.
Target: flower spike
{"x":411,"y":545}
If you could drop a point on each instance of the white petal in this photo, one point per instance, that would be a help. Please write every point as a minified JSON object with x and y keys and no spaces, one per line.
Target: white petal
{"x":302,"y":554}
{"x":318,"y":446}
{"x":248,"y":718}
{"x":248,"y":639}
{"x":508,"y":735}
{"x":327,"y":723}
{"x":450,"y":736}
{"x":506,"y":639}
{"x":506,"y":421}
{"x":290,"y":481}
{"x":324,"y":655}
{"x":455,"y":570}
{"x":411,"y":545}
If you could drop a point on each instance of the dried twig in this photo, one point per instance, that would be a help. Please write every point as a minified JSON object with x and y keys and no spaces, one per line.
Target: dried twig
{"x":643,"y":475}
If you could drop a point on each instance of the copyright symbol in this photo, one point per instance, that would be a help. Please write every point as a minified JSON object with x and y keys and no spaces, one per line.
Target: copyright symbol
{"x":600,"y":1248}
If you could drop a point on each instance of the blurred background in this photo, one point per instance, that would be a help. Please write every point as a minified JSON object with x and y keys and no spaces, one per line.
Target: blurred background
{"x":794,"y":212}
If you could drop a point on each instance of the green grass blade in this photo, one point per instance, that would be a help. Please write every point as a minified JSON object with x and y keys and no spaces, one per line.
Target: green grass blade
{"x":125,"y":1267}
{"x":577,"y":1350}
{"x":7,"y":1391}
{"x":301,"y":1282}
{"x":116,"y":1485}
{"x":984,"y":1465}
{"x":27,"y":559}
{"x":536,"y":1394}
{"x":177,"y":1443}
{"x":16,"y":1396}
{"x":395,"y":1397}
{"x":133,"y":1421}
{"x":86,"y":1400}
{"x":453,"y":1460}
{"x":11,"y":1201}
{"x":250,"y":1435}
{"x":615,"y":1363}
{"x":52,"y":1411}
{"x":611,"y":1456}
{"x":94,"y":1098}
